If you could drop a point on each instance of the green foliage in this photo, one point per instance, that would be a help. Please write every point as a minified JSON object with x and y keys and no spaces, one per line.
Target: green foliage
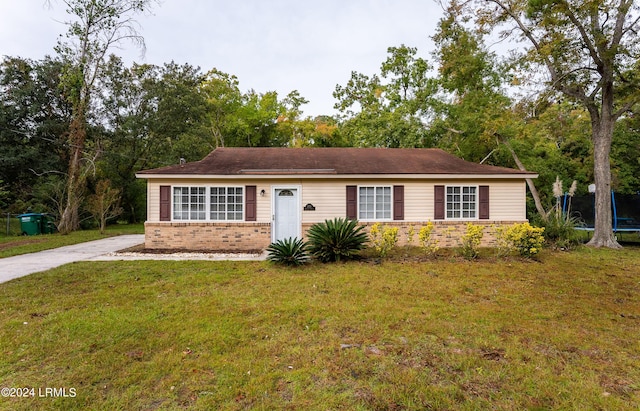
{"x":427,"y":243}
{"x":383,"y":238}
{"x":389,"y":109}
{"x":104,"y":204}
{"x":560,"y":230}
{"x":476,"y":109}
{"x":521,"y":238}
{"x":290,"y":251}
{"x":411,"y":232}
{"x":337,"y":239}
{"x":470,"y":241}
{"x":33,"y":114}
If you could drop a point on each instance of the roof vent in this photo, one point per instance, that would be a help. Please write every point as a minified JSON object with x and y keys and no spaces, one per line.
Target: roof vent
{"x":182,"y":161}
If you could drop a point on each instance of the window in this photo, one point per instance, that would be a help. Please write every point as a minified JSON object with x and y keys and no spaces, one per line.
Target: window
{"x":461,"y":202}
{"x":213,"y":203}
{"x":374,"y":203}
{"x":226,"y":203}
{"x":189,"y":203}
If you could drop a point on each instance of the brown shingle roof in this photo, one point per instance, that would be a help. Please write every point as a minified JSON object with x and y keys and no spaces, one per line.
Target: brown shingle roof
{"x":248,"y":161}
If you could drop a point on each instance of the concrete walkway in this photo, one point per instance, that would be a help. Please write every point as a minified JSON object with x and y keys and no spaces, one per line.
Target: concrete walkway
{"x":21,"y":265}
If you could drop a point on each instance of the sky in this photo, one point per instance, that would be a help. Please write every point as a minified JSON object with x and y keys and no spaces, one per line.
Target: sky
{"x":269,"y":45}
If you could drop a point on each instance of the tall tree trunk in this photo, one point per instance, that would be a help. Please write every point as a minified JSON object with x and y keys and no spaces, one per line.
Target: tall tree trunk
{"x":70,"y":219}
{"x":603,"y":229}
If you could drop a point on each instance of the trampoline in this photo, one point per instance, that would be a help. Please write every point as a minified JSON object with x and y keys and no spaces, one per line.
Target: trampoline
{"x":625,"y":210}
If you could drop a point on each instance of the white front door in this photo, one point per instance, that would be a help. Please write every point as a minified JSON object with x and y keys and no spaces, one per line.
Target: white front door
{"x":286,"y":214}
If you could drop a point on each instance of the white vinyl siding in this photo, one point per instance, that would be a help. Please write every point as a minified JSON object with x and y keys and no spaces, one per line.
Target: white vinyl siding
{"x":508,"y":197}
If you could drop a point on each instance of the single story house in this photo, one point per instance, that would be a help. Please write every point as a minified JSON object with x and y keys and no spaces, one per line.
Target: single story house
{"x":240,"y":199}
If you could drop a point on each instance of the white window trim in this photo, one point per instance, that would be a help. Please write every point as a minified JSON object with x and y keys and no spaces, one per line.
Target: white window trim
{"x":207,"y":199}
{"x":476,"y":208}
{"x":390,"y":187}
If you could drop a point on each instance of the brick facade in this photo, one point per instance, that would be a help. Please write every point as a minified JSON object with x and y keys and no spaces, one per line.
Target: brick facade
{"x":446,"y":233}
{"x":230,"y":237}
{"x":239,"y":237}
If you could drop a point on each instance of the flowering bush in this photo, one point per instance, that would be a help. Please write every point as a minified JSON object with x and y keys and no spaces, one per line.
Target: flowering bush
{"x":383,"y":238}
{"x":470,"y":241}
{"x":411,"y":232}
{"x":429,"y":245}
{"x":523,"y":238}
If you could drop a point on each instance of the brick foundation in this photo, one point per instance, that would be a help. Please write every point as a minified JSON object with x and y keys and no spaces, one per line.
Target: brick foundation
{"x":208,"y":236}
{"x":257,"y":236}
{"x":447,"y":233}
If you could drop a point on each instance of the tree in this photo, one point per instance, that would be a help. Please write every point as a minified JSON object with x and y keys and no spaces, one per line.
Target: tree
{"x":98,"y":25}
{"x":390,"y":109}
{"x":104,"y":204}
{"x":223,"y":100}
{"x":33,"y":115}
{"x":476,"y":119}
{"x":154,"y":115}
{"x":473,"y":106}
{"x":590,"y":53}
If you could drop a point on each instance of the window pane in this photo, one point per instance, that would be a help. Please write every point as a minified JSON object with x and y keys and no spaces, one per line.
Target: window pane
{"x":226,"y":203}
{"x":461,"y":202}
{"x":375,"y":203}
{"x":189,"y":203}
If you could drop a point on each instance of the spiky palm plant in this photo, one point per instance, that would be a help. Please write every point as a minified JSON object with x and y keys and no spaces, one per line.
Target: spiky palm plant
{"x":290,"y":251}
{"x":336,"y":239}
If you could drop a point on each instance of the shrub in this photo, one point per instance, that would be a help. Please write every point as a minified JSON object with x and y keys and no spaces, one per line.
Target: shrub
{"x":429,"y":245}
{"x":560,"y":230}
{"x":384,"y":239}
{"x":523,"y":238}
{"x":336,"y":239}
{"x":559,"y":224}
{"x":290,"y":251}
{"x":411,"y":232}
{"x":470,"y":241}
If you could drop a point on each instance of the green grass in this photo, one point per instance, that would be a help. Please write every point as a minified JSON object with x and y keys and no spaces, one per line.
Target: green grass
{"x":16,"y":245}
{"x":559,"y":333}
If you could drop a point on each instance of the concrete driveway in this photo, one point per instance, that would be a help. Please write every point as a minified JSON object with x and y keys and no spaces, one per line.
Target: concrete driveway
{"x":21,"y":265}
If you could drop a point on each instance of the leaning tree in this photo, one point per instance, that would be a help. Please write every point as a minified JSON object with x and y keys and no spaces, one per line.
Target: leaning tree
{"x":589,"y":51}
{"x":95,"y":27}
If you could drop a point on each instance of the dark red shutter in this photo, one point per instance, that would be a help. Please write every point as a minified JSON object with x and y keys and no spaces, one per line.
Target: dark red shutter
{"x":352,"y":202}
{"x":165,"y":203}
{"x":250,"y":199}
{"x":438,"y":203}
{"x":398,"y":202}
{"x":483,"y":202}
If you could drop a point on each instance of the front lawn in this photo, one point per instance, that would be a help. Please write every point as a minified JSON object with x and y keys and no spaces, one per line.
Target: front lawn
{"x":560,"y":333}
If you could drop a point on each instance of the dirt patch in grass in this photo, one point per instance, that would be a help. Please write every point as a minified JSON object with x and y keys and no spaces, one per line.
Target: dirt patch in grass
{"x":10,"y":244}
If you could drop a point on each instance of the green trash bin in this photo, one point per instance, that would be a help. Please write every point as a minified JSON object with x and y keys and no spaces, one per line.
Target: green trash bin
{"x":48,"y":225}
{"x":36,"y":223}
{"x":30,"y":223}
